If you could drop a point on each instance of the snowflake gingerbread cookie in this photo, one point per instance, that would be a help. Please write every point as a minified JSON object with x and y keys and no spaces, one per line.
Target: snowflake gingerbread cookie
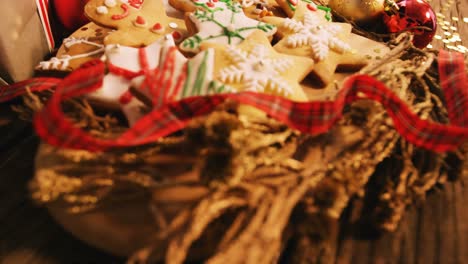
{"x":310,"y":34}
{"x":136,"y":22}
{"x":222,"y":22}
{"x":255,"y":66}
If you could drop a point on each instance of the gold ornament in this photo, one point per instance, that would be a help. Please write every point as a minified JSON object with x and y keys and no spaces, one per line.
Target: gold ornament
{"x":359,"y":11}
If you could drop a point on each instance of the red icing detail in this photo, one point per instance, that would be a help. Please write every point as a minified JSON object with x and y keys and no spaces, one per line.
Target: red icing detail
{"x":123,"y":15}
{"x":143,"y":60}
{"x":127,"y":74}
{"x":210,"y":4}
{"x":312,"y":7}
{"x":136,"y":3}
{"x":125,"y":98}
{"x":157,"y":26}
{"x":140,"y":20}
{"x":179,"y":84}
{"x":176,"y":35}
{"x":215,"y":1}
{"x":293,"y":2}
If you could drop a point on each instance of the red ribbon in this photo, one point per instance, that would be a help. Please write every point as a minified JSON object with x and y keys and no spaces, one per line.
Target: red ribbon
{"x":308,"y":117}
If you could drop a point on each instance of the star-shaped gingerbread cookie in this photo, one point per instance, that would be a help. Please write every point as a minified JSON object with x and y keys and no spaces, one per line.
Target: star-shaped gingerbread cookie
{"x":255,"y":66}
{"x":223,"y":22}
{"x":309,"y":34}
{"x":136,"y":22}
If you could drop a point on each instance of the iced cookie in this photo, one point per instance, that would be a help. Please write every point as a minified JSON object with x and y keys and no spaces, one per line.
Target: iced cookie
{"x":310,"y":34}
{"x":290,"y":6}
{"x":222,"y":23}
{"x":126,"y":66}
{"x":252,"y":8}
{"x":255,"y":66}
{"x":83,"y":45}
{"x":136,"y":22}
{"x":179,"y":77}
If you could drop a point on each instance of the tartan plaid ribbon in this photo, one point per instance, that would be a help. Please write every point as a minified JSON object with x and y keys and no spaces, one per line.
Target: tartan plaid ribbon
{"x":309,"y":117}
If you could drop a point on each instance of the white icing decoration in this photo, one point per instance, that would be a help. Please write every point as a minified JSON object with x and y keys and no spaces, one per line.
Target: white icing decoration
{"x":127,"y":57}
{"x":110,"y":3}
{"x":173,"y":25}
{"x":320,"y":36}
{"x":140,"y":25}
{"x":258,"y":11}
{"x":63,"y":62}
{"x":102,"y":10}
{"x":255,"y":71}
{"x":249,"y":3}
{"x":226,"y":23}
{"x":114,"y":86}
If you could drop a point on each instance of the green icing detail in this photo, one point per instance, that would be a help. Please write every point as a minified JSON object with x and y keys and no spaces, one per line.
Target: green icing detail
{"x":215,"y":88}
{"x":192,"y":42}
{"x":291,"y":6}
{"x":198,"y":84}
{"x":187,"y":81}
{"x":327,"y":11}
{"x":208,"y":15}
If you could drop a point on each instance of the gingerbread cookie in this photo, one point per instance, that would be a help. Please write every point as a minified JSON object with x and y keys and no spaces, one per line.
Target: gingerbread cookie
{"x":255,"y":66}
{"x":311,"y":35}
{"x":222,"y":22}
{"x":83,"y":45}
{"x":136,"y":22}
{"x":179,"y":77}
{"x":126,"y":67}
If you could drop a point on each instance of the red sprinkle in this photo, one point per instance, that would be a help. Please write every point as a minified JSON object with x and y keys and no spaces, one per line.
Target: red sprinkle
{"x":210,"y":4}
{"x":215,"y":1}
{"x":312,"y":7}
{"x":140,"y":20}
{"x":293,"y":2}
{"x":157,"y":26}
{"x":125,"y":98}
{"x":176,"y":35}
{"x":124,"y":14}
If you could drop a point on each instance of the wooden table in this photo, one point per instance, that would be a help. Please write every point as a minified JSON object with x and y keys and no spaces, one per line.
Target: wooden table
{"x":434,"y":232}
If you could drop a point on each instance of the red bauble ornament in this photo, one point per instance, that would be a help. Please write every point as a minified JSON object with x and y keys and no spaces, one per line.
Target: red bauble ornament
{"x":413,"y":13}
{"x":70,"y":13}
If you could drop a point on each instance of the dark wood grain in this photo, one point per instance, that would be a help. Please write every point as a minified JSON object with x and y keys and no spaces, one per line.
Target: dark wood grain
{"x":436,"y":231}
